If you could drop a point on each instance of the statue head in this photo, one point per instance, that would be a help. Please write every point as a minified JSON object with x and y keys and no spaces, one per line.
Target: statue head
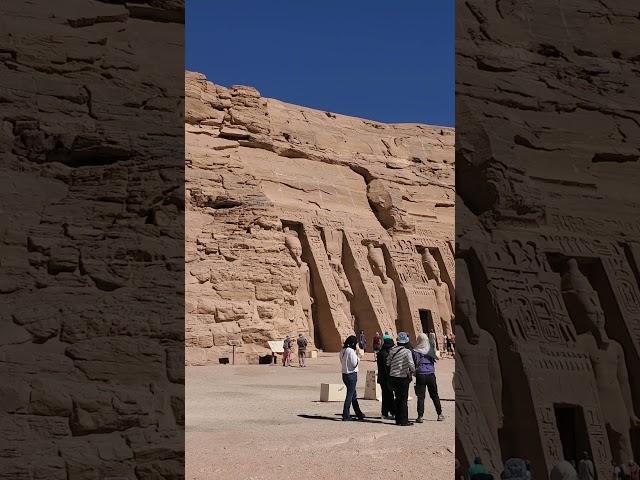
{"x":431,"y":265}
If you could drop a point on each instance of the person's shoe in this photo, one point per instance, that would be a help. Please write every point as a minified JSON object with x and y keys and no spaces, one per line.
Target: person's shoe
{"x":406,"y":424}
{"x":347,"y":419}
{"x":419,"y":420}
{"x":361,"y":417}
{"x":440,"y":418}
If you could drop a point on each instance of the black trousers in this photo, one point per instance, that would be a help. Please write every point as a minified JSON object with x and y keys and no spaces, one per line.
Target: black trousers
{"x":401,"y":392}
{"x":388,"y":402}
{"x":424,"y":382}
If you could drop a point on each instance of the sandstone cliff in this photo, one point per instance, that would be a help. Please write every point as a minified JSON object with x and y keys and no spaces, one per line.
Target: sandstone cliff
{"x":300,"y":220}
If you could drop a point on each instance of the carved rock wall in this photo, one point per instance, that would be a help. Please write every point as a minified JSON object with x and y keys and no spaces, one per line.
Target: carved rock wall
{"x":546,"y":156}
{"x":304,"y":221}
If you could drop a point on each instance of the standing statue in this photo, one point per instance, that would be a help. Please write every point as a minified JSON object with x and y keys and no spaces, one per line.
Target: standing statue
{"x":441,"y":290}
{"x":607,"y":361}
{"x":385,"y":285}
{"x":333,"y":244}
{"x":477,"y":350}
{"x":343,"y":284}
{"x":292,"y":242}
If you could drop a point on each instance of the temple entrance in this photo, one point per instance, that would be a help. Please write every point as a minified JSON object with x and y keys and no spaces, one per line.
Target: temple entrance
{"x":573,"y":431}
{"x":426,"y":320}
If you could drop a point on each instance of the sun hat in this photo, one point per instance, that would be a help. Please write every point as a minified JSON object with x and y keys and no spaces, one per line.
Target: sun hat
{"x":403,"y":337}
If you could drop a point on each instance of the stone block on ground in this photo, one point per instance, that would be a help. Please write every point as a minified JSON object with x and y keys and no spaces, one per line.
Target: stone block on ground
{"x":332,"y":392}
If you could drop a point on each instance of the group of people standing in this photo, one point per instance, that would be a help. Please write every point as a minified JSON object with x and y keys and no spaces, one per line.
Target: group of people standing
{"x":397,"y":364}
{"x":287,"y":347}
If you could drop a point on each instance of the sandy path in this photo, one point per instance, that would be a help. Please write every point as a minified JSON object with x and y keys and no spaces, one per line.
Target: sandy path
{"x":242,"y":423}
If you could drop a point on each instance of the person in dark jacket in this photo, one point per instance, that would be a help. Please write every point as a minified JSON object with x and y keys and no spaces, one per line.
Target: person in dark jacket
{"x":388,"y":408}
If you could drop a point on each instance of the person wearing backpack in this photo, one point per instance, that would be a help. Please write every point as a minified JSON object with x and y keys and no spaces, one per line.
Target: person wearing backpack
{"x":302,"y":349}
{"x":388,"y":407}
{"x":401,"y":370}
{"x":349,"y":361}
{"x":424,"y":358}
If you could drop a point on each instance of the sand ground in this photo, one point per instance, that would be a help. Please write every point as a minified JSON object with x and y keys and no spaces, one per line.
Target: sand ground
{"x":247,"y":422}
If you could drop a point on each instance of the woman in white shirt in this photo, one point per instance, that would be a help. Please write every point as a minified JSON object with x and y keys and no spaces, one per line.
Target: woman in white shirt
{"x":349,"y":361}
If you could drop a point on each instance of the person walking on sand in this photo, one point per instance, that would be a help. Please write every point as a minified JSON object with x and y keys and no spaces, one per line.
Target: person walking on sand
{"x":302,"y":349}
{"x":286,"y":356}
{"x":388,"y":406}
{"x":377,"y":343}
{"x":401,"y":370}
{"x":349,"y":361}
{"x":424,"y":355}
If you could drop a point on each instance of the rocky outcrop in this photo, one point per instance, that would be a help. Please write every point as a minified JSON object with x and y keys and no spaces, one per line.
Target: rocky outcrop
{"x":304,"y":221}
{"x":547,"y":228}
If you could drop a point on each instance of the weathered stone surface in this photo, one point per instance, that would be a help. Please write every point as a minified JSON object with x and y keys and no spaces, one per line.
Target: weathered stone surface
{"x":91,"y":234}
{"x":282,"y":203}
{"x":548,"y":233}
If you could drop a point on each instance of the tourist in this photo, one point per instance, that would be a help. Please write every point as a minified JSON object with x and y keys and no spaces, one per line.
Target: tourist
{"x":631,"y":470}
{"x":386,"y":335}
{"x":388,"y":406}
{"x":401,"y":370}
{"x":349,"y":361}
{"x":586,"y":470}
{"x":286,"y":355}
{"x":432,"y":335}
{"x":477,"y":468}
{"x":377,"y":342}
{"x":452,"y":342}
{"x":302,"y":349}
{"x":563,"y":470}
{"x":362,"y":341}
{"x":424,"y":359}
{"x":514,"y":469}
{"x":447,"y":343}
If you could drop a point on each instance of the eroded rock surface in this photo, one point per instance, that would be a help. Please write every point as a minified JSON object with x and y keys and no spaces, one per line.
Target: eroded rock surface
{"x":91,"y":240}
{"x":284,"y":205}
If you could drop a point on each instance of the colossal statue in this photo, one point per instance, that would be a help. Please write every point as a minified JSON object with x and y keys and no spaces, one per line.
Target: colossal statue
{"x":303,"y":294}
{"x":607,"y":360}
{"x":476,"y":349}
{"x":385,"y":285}
{"x":441,"y":290}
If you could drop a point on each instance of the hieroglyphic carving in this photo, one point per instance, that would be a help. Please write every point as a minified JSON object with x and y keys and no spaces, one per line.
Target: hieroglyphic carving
{"x":472,"y":429}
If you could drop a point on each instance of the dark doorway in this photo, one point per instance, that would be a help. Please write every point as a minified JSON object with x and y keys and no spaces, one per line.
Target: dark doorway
{"x":573,"y":431}
{"x":426,"y":320}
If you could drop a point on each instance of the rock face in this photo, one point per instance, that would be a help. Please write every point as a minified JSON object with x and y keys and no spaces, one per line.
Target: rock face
{"x":547,"y":232}
{"x":304,"y":221}
{"x":91,"y":240}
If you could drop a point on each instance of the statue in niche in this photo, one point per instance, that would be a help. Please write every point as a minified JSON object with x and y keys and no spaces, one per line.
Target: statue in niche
{"x":476,"y":349}
{"x":385,"y":285}
{"x":333,"y":244}
{"x":292,"y":242}
{"x":607,"y":361}
{"x":343,"y":284}
{"x":441,"y":290}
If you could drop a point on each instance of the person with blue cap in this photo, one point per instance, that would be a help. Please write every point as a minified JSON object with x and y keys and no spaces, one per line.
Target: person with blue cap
{"x":401,"y":370}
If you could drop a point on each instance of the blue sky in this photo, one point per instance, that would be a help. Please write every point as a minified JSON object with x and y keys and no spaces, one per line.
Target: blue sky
{"x":391,"y":61}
